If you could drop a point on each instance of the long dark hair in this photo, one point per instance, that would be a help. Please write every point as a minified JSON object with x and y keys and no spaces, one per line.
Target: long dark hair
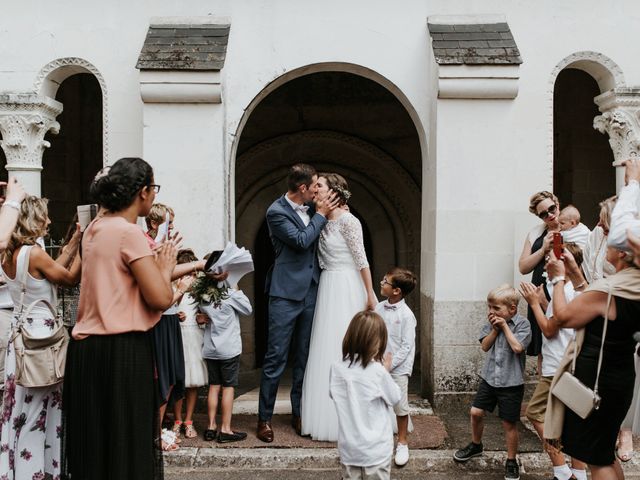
{"x":115,"y":187}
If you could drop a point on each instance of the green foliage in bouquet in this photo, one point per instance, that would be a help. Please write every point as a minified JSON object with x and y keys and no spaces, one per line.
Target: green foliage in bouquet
{"x":205,"y":290}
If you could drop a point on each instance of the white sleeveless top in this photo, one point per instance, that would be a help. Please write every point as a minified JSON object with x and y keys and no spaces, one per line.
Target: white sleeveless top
{"x":36,"y":289}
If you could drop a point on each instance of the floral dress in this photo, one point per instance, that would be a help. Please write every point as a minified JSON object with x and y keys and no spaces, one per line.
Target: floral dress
{"x":31,"y":420}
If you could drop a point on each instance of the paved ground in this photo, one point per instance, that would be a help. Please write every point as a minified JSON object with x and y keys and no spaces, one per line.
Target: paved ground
{"x":330,"y":474}
{"x":429,"y":432}
{"x":290,"y":457}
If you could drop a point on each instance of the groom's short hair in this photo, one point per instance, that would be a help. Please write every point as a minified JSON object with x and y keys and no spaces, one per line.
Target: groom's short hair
{"x":300,"y":174}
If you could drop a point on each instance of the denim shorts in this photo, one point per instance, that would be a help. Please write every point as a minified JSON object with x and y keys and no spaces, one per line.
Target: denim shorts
{"x":223,"y":372}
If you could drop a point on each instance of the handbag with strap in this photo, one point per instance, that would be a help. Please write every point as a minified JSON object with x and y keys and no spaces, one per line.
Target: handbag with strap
{"x":40,"y":361}
{"x":581,"y":399}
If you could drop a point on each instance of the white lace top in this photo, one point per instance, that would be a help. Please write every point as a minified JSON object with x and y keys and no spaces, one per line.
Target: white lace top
{"x":341,"y":245}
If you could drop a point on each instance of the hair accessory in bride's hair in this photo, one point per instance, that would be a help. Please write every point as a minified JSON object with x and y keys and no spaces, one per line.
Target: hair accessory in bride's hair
{"x":344,"y":193}
{"x":102,"y":173}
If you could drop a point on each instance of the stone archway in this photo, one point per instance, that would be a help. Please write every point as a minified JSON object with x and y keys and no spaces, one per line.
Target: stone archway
{"x":51,"y":76}
{"x":384,"y":171}
{"x":76,"y":153}
{"x":583,"y":76}
{"x":582,"y":162}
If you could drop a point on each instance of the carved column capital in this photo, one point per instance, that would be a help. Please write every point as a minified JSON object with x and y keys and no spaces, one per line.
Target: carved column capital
{"x":24,"y":121}
{"x":620,"y":120}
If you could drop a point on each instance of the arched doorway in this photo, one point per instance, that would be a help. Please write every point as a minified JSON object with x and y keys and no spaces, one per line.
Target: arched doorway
{"x":582,"y":158}
{"x":342,"y":122}
{"x":76,"y":152}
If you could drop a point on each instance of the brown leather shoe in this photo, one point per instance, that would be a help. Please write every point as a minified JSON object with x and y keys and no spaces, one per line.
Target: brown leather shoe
{"x":265,"y":432}
{"x":296,"y":423}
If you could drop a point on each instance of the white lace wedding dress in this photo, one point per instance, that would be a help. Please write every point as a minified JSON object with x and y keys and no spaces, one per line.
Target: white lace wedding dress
{"x":341,"y":294}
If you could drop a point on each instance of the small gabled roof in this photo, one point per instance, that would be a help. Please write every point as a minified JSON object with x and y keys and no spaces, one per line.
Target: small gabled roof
{"x":474,"y":44}
{"x":184,"y":47}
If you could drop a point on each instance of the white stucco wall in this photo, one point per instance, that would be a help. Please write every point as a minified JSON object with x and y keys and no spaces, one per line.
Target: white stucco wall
{"x":481,"y":158}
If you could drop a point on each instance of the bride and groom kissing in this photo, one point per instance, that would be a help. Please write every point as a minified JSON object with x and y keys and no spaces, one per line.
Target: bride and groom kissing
{"x":311,"y":231}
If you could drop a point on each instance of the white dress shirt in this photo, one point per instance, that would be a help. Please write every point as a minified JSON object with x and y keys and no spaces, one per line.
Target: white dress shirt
{"x":301,"y":210}
{"x":553,"y":348}
{"x":401,"y":334}
{"x":363,"y":398}
{"x":625,"y":217}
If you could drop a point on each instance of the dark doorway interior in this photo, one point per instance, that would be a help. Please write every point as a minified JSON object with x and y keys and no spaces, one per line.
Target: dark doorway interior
{"x":338,"y":122}
{"x":75,"y":154}
{"x":582,"y":158}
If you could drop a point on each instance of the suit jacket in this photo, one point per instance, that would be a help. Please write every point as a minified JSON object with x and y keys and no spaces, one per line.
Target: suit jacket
{"x":296,"y":263}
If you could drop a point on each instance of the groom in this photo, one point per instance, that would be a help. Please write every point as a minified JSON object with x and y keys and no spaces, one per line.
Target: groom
{"x":292,"y":284}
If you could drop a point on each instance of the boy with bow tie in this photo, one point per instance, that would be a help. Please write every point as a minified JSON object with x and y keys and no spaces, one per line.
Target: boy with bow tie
{"x":401,"y":330}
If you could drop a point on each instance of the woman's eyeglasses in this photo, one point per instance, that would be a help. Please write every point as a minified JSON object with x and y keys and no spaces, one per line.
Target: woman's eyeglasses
{"x":156,"y":188}
{"x":549,"y":211}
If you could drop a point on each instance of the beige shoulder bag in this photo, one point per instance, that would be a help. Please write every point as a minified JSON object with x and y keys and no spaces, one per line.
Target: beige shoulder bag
{"x":575,"y":394}
{"x":40,"y":361}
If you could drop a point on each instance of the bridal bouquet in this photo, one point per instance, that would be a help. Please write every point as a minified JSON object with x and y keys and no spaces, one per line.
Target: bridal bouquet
{"x":208,"y":291}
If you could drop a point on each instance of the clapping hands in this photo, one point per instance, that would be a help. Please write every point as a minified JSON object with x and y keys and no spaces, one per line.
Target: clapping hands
{"x":532,"y":294}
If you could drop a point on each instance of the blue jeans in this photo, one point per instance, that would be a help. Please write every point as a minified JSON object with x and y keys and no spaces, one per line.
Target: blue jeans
{"x":289,"y":324}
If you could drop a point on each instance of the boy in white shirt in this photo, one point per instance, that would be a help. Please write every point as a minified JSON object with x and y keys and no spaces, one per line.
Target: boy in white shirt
{"x":555,"y":341}
{"x":363,"y":392}
{"x":401,"y":330}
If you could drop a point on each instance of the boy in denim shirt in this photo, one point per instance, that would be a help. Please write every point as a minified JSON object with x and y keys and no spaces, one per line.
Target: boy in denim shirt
{"x":505,"y":337}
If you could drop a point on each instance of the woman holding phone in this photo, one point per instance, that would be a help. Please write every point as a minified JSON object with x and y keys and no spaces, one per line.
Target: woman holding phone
{"x":545,"y":206}
{"x":111,"y":424}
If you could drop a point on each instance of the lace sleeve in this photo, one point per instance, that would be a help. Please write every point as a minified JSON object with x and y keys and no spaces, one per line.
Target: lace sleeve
{"x":351,"y":230}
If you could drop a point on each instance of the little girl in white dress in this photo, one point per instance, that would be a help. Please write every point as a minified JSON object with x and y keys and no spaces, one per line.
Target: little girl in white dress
{"x":195,"y":368}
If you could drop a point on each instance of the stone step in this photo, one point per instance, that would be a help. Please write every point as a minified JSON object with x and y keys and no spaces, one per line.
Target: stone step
{"x":327,"y":459}
{"x":247,"y":403}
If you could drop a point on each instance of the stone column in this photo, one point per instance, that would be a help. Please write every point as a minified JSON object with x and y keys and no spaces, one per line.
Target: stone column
{"x":620,"y":120}
{"x":24,"y":121}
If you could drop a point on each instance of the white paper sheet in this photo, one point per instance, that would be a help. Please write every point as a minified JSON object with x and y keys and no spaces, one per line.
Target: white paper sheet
{"x":237,"y":261}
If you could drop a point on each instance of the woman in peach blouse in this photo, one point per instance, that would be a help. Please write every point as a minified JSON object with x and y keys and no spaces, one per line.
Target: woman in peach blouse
{"x":110,"y":421}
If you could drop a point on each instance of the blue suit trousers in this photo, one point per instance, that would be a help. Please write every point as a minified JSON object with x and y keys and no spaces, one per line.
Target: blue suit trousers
{"x":289,"y":325}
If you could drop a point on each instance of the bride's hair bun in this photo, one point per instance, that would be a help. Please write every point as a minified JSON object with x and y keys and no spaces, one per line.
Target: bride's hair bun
{"x":115,"y":187}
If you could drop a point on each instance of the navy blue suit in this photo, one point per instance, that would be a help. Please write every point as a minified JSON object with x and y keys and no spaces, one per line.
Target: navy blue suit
{"x":292,"y":285}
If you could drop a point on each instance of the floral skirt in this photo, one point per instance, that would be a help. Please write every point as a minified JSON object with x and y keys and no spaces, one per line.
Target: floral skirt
{"x":30,"y":428}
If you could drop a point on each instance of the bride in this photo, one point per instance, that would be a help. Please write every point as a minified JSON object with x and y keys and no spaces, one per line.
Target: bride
{"x":345,"y":289}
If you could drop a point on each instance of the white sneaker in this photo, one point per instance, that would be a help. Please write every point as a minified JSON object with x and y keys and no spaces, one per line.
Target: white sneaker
{"x":402,"y":455}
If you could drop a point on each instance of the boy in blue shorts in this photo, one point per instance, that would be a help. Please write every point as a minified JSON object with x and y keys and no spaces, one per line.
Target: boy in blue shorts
{"x":505,"y":338}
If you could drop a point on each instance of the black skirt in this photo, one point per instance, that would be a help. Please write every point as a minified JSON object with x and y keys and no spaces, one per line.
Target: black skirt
{"x":169,"y":356}
{"x":593,"y":439}
{"x":110,"y":420}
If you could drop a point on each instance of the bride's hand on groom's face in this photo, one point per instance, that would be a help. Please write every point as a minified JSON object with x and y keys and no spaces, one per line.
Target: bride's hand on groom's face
{"x":326,"y":205}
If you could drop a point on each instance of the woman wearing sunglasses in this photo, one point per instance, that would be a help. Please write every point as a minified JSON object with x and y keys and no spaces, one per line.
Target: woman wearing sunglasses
{"x":545,"y":206}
